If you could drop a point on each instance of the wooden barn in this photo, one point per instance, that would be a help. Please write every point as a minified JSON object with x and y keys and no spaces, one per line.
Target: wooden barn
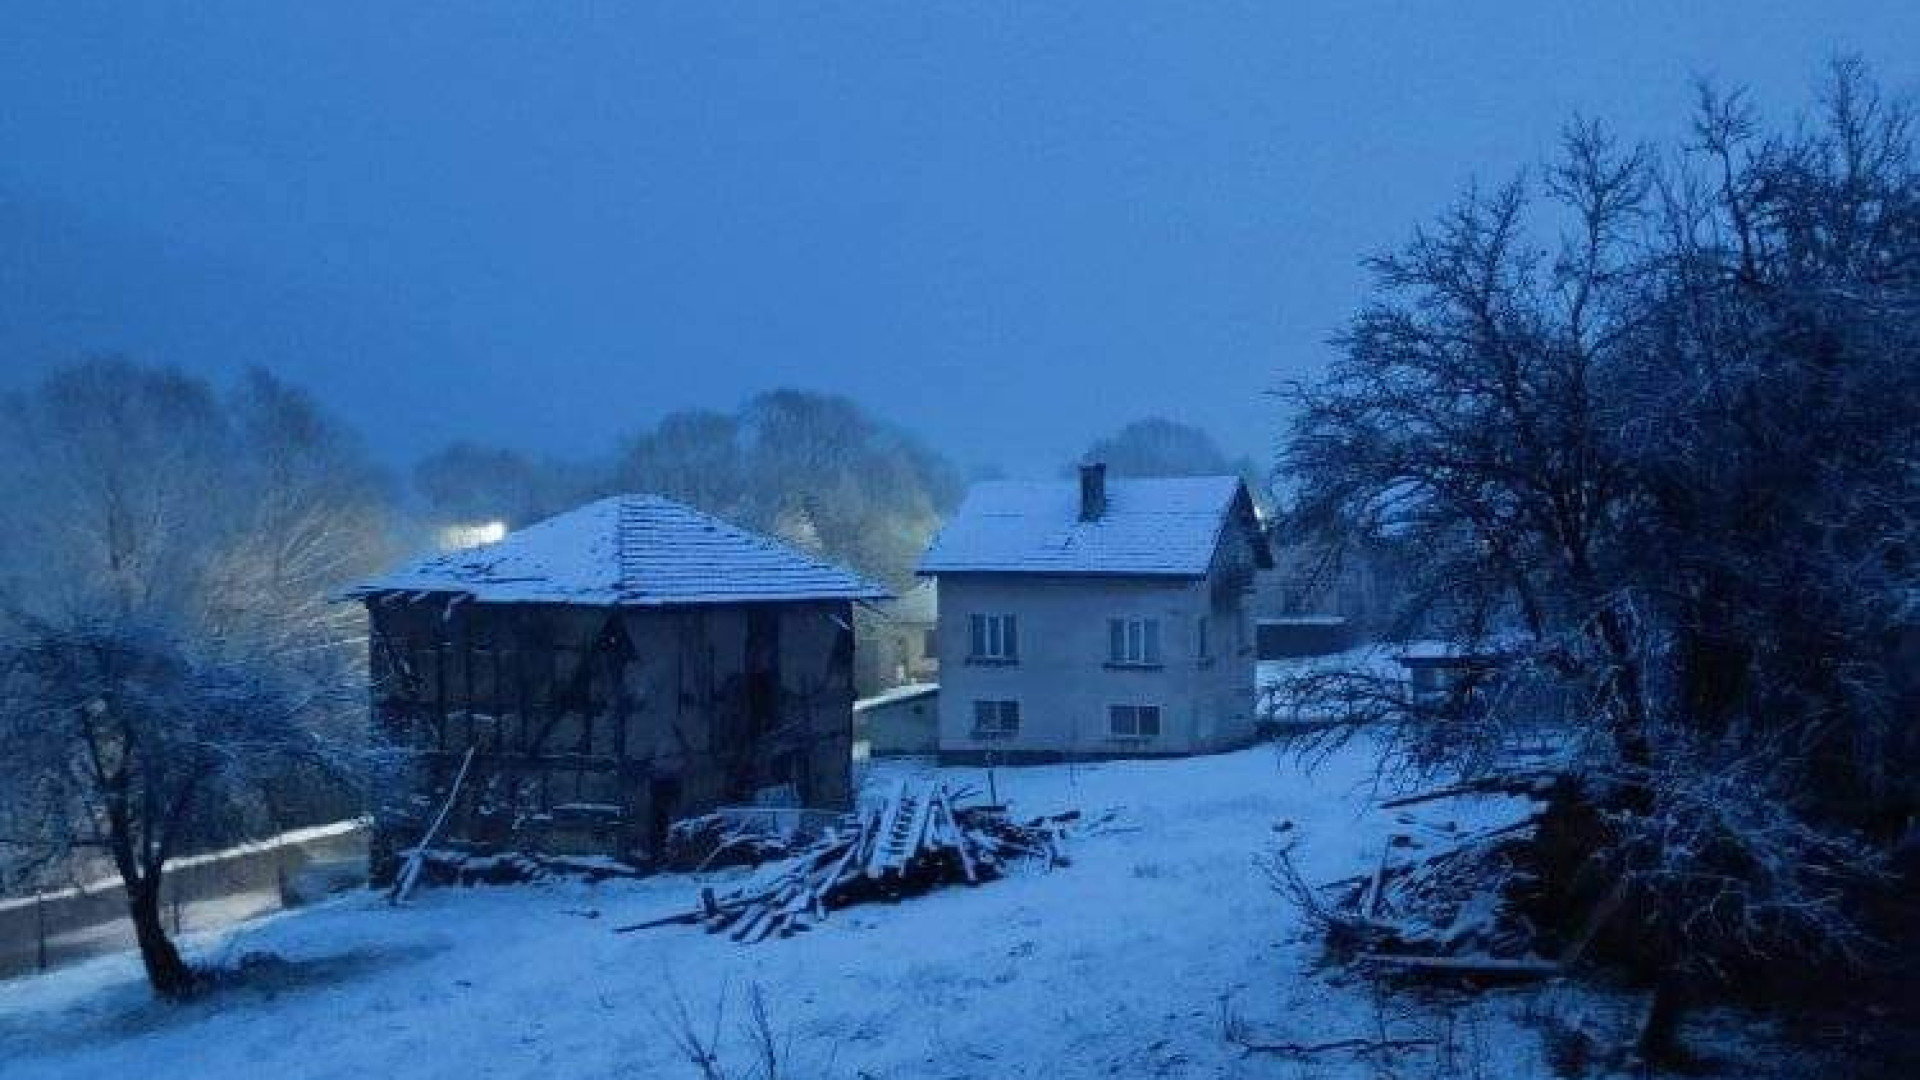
{"x":611,"y":669}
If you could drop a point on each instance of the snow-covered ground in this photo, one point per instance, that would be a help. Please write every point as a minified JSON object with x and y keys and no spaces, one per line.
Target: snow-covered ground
{"x":1118,"y":965}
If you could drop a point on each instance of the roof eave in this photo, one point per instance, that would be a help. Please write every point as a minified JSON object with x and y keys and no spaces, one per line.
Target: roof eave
{"x":936,"y":572}
{"x":373,"y":595}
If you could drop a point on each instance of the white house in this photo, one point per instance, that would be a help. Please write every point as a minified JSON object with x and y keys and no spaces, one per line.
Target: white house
{"x":1098,"y":619}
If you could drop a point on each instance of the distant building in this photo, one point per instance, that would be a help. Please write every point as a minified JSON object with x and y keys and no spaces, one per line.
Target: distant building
{"x":901,"y":722}
{"x":1292,"y":637}
{"x":1097,"y":619}
{"x":611,"y":669}
{"x":1359,"y":587}
{"x":897,"y":641}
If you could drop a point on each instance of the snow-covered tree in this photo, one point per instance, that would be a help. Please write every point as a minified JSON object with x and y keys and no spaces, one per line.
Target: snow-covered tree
{"x":171,"y":676}
{"x":1650,"y":419}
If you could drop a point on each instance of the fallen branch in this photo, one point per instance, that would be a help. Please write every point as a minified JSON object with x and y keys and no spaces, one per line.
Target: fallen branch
{"x":1528,"y":783}
{"x":1496,"y":966}
{"x":1294,"y":1049}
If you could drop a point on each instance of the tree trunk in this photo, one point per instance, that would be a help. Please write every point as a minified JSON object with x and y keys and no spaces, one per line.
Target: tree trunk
{"x":167,"y":973}
{"x":1660,"y":1033}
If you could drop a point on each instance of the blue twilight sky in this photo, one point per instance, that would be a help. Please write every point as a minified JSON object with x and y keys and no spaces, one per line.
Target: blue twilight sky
{"x":1008,"y":226}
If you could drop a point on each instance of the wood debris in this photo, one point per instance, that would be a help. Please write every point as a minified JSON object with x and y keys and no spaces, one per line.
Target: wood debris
{"x":917,"y":839}
{"x":1434,"y":904}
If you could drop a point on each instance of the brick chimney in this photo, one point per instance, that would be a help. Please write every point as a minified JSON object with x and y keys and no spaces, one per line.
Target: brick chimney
{"x":1093,"y":490}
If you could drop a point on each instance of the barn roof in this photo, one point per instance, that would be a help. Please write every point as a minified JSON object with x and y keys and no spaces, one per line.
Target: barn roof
{"x":629,"y":551}
{"x":1159,"y":527}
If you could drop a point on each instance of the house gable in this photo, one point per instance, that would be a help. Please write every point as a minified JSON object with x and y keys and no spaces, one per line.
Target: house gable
{"x":1172,"y":527}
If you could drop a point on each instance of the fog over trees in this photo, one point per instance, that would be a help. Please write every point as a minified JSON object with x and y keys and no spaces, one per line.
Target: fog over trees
{"x":469,"y":482}
{"x":814,"y":469}
{"x":1156,"y":446}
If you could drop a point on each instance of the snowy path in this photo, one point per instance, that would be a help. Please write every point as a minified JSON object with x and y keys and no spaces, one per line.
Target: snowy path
{"x":1114,"y":966}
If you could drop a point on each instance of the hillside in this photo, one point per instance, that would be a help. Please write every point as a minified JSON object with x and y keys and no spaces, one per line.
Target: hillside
{"x":1118,"y":965}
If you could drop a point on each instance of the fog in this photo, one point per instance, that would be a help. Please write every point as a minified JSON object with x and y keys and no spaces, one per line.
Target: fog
{"x":1008,"y":231}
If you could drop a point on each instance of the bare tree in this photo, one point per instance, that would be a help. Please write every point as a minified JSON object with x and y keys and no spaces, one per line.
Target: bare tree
{"x":1650,"y":420}
{"x":173,"y":677}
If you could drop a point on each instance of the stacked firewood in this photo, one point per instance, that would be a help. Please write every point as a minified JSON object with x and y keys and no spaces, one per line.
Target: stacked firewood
{"x":915,"y":840}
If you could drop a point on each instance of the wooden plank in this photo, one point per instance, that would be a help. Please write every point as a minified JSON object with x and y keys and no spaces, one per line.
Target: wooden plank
{"x":878,"y":862}
{"x":960,"y":838}
{"x":409,"y":874}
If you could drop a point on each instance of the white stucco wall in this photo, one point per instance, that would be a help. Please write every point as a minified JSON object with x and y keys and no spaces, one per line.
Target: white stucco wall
{"x":1063,"y":680}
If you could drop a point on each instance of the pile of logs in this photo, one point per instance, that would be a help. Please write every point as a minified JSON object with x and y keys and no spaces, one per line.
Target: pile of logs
{"x":718,"y":840}
{"x":916,"y":840}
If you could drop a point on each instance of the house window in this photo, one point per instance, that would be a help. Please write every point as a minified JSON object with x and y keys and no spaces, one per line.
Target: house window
{"x":1133,"y":642}
{"x":930,"y":643}
{"x":1200,"y":638}
{"x":1133,"y":721}
{"x":993,"y":638}
{"x":996,"y":719}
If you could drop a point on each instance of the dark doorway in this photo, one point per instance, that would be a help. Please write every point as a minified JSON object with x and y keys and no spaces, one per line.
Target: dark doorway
{"x":663,"y":807}
{"x":763,"y":670}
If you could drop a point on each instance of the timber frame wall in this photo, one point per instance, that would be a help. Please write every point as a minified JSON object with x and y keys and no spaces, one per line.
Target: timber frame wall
{"x":596,"y":727}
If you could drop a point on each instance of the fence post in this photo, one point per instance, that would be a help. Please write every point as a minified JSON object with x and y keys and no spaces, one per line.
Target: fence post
{"x":40,"y":927}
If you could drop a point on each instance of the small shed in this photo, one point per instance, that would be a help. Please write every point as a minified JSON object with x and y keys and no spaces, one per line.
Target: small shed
{"x":611,"y":669}
{"x":901,"y":722}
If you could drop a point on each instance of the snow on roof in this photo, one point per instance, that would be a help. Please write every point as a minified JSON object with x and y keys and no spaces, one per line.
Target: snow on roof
{"x":629,"y":550}
{"x":1163,"y":526}
{"x":896,"y":695}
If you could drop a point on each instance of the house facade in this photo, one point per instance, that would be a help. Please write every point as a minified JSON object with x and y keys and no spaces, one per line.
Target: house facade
{"x":605,"y":672}
{"x":1096,"y":619}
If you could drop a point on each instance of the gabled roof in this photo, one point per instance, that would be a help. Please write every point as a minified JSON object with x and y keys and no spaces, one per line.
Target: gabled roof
{"x":1162,"y":527}
{"x":631,"y":551}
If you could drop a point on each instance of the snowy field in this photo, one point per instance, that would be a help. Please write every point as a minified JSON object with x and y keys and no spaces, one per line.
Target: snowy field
{"x":1121,"y":964}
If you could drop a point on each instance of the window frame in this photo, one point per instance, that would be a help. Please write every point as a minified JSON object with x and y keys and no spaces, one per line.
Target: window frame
{"x":993,"y":638}
{"x":999,"y":710}
{"x":1135,"y":714}
{"x":1134,"y":641}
